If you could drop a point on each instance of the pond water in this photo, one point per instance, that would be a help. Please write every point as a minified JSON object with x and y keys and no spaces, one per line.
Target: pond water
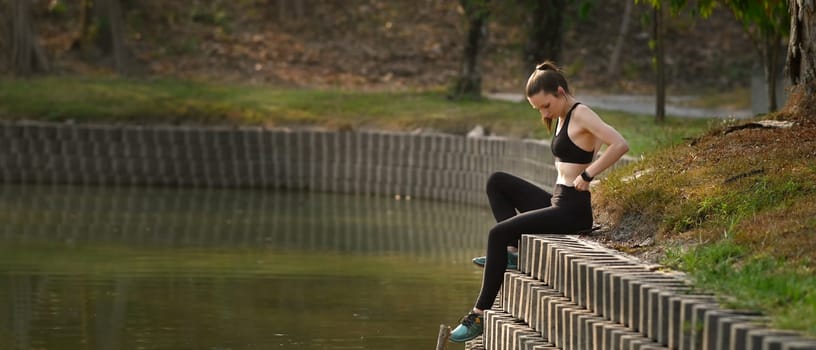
{"x":151,"y":268}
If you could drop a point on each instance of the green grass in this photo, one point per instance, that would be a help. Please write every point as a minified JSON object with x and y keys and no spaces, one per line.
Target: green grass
{"x":784,"y":291}
{"x":114,"y":100}
{"x":732,"y":205}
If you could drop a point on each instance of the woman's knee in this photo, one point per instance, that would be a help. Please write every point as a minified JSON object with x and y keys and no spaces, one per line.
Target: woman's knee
{"x":497,"y":237}
{"x":497,"y":180}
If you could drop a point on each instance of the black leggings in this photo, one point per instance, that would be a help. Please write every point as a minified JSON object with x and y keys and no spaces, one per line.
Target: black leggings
{"x":566,"y":211}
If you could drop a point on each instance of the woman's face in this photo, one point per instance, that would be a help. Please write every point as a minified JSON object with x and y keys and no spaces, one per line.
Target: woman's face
{"x":547,"y":104}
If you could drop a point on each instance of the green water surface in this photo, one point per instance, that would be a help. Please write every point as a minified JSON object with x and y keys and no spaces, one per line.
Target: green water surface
{"x":147,"y":268}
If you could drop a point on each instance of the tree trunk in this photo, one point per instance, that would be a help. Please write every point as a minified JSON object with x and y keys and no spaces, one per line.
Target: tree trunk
{"x":117,"y":30}
{"x":84,"y":39}
{"x":21,"y":45}
{"x":660,"y":57}
{"x":106,"y":32}
{"x":26,"y":55}
{"x":772,"y":47}
{"x":469,"y":83}
{"x":801,"y":61}
{"x":545,"y":32}
{"x":613,"y":69}
{"x":768,"y":45}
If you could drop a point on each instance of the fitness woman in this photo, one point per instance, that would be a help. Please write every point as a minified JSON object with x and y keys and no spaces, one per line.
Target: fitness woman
{"x":521,"y":207}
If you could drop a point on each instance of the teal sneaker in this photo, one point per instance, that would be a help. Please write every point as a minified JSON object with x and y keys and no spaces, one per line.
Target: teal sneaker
{"x":469,"y":328}
{"x":512,"y":261}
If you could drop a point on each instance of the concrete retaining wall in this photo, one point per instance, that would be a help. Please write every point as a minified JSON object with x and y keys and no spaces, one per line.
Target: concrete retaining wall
{"x":574,"y":294}
{"x":446,"y":167}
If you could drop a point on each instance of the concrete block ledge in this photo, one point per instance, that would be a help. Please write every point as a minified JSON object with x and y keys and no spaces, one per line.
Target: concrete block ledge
{"x":573,"y":294}
{"x":436,"y":166}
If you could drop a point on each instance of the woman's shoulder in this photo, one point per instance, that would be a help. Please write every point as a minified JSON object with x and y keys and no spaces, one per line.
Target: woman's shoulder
{"x":583,"y":112}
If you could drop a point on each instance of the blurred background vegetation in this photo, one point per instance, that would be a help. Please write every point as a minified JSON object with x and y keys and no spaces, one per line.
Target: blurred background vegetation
{"x":358,"y":64}
{"x":375,"y":44}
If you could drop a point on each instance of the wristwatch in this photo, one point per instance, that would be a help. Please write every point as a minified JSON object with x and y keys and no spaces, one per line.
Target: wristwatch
{"x":586,"y":177}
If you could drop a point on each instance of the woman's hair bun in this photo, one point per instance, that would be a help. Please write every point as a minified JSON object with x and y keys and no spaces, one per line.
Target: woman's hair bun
{"x":547,"y":65}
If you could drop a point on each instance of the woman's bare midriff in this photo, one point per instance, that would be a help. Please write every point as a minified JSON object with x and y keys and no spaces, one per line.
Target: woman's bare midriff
{"x":567,"y":172}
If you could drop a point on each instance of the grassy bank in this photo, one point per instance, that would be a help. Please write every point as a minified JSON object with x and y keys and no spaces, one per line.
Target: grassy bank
{"x":735,"y":208}
{"x":95,"y":100}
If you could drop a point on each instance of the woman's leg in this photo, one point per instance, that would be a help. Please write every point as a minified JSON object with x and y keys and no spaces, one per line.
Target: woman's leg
{"x":508,"y":194}
{"x":546,"y":220}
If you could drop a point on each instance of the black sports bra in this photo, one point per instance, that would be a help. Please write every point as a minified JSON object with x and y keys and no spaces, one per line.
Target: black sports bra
{"x":564,"y":149}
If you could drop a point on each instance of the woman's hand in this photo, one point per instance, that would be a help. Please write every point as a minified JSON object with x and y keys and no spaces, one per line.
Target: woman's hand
{"x":580,"y":184}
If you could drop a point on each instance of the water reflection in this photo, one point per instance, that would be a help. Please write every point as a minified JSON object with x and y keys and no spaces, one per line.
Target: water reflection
{"x":125,"y":268}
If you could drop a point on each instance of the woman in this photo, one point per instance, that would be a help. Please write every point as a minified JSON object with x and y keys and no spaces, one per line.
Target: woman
{"x":521,"y":207}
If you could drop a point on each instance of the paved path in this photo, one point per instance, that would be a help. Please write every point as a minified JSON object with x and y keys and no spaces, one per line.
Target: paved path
{"x":642,"y":104}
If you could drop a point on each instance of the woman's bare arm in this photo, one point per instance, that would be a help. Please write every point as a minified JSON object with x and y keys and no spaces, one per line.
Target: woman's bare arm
{"x":616,"y":144}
